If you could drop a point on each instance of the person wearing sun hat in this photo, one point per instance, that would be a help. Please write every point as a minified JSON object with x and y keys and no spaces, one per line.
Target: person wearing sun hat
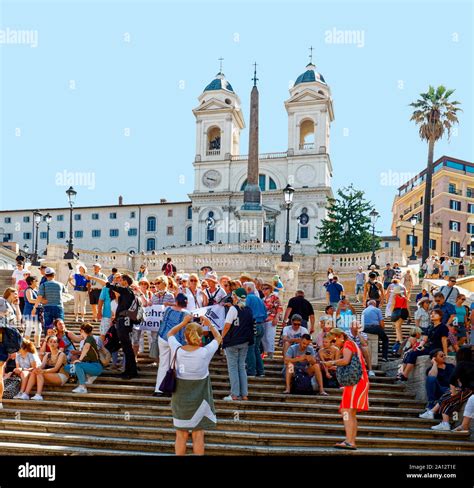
{"x":237,"y":336}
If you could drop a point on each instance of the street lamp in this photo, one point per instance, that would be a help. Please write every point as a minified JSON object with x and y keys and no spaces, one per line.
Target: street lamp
{"x":71,"y":194}
{"x":374,"y":216}
{"x":413,"y":222}
{"x":47,"y":218}
{"x":26,"y":249}
{"x":288,"y":192}
{"x":37,"y":220}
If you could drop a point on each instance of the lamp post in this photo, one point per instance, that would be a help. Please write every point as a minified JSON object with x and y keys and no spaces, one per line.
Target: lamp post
{"x":47,"y":218}
{"x":374,"y":216}
{"x":37,"y":220}
{"x":286,"y":257}
{"x":413,"y":222}
{"x":71,"y":194}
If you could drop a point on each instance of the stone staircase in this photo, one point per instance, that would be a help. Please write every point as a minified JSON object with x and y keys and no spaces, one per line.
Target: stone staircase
{"x":119,"y":417}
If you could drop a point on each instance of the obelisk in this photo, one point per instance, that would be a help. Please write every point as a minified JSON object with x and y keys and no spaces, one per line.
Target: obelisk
{"x":252,"y":192}
{"x":252,"y":214}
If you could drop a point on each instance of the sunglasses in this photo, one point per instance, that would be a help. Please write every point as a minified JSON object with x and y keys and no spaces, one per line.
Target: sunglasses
{"x":193,"y":281}
{"x":296,"y":323}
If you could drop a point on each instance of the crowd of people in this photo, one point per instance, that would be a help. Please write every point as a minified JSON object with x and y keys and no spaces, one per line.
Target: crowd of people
{"x":317,"y":353}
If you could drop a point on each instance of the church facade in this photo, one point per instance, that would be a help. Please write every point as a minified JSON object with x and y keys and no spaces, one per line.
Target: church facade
{"x":214,"y":212}
{"x":221,"y":170}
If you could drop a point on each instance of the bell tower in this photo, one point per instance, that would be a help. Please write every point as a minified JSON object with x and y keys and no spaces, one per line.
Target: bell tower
{"x":219,"y":121}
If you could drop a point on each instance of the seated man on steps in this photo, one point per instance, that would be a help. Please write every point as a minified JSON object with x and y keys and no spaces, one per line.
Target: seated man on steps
{"x":292,"y":333}
{"x":302,"y":357}
{"x":437,"y":380}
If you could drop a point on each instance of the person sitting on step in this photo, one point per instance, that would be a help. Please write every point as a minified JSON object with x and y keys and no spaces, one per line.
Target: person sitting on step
{"x":51,"y":371}
{"x":437,"y":380}
{"x":461,"y":389}
{"x":302,"y":357}
{"x":329,"y":352}
{"x":293,"y":333}
{"x":88,"y":362}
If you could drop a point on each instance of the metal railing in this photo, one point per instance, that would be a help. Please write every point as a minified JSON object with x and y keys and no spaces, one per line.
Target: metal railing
{"x":213,"y":152}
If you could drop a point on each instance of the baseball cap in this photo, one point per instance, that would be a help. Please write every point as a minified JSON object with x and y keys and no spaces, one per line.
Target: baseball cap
{"x":185,"y":276}
{"x":424,"y":300}
{"x":240,"y":292}
{"x":98,"y":265}
{"x":49,"y":271}
{"x":181,"y":298}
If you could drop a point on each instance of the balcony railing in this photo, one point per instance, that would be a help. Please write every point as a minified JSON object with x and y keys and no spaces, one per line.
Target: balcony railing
{"x":275,"y":155}
{"x":454,"y":191}
{"x":307,"y":145}
{"x":213,"y":152}
{"x":470,"y":193}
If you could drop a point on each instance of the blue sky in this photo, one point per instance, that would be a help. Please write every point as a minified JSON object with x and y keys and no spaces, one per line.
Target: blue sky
{"x":66,"y":103}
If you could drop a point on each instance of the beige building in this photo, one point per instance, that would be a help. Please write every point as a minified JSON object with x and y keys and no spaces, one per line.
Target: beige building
{"x":452,"y":208}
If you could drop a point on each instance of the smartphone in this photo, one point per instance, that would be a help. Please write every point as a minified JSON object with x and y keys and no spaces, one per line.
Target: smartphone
{"x":69,"y":265}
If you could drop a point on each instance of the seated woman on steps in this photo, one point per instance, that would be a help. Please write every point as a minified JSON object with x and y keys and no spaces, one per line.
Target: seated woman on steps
{"x":88,"y":362}
{"x":26,"y":361}
{"x":50,"y":372}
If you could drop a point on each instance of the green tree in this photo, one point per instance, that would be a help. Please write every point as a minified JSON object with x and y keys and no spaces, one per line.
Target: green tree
{"x":435,"y":114}
{"x":347,"y":228}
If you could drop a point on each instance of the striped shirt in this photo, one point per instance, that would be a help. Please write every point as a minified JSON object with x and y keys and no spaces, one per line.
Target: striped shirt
{"x":53,"y":292}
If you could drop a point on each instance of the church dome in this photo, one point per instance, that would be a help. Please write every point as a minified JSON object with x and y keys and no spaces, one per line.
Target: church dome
{"x":219,"y":83}
{"x":310,"y":75}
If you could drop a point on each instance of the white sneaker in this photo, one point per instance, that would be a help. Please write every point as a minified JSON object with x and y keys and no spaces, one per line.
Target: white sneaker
{"x":80,"y":389}
{"x":90,"y":380}
{"x":37,"y":397}
{"x":442,"y":426}
{"x":1,"y":406}
{"x":24,"y":396}
{"x":18,"y":396}
{"x":371,"y":374}
{"x":228,"y":398}
{"x":427,"y":415}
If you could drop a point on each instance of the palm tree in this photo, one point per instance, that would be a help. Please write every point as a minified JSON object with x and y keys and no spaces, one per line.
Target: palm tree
{"x":435,"y":114}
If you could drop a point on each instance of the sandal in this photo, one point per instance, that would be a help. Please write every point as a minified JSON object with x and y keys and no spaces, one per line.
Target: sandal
{"x":460,"y":429}
{"x":286,"y":392}
{"x":345,"y":445}
{"x":323,"y":393}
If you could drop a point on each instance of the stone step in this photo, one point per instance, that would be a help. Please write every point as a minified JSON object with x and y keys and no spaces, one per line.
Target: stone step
{"x":101,"y":413}
{"x":151,"y":439}
{"x":148,"y":384}
{"x":163,"y":427}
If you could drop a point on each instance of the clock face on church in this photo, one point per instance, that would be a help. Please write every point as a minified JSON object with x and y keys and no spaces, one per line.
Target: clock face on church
{"x":211,"y":178}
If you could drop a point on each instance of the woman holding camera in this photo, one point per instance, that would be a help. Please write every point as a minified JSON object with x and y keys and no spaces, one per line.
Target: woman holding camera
{"x":192,"y":402}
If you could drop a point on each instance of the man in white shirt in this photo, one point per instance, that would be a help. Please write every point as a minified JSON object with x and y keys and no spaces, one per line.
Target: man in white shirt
{"x":450,"y":291}
{"x":292,"y":333}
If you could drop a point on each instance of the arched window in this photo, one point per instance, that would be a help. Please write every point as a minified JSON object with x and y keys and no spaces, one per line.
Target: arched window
{"x":307,"y":134}
{"x":151,"y":244}
{"x":151,"y":224}
{"x":190,"y":212}
{"x":213,"y":141}
{"x":262,"y":183}
{"x":189,"y":234}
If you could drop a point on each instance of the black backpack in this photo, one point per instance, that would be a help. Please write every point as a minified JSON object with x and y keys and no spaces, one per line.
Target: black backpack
{"x":111,"y":340}
{"x":11,"y":339}
{"x":302,"y":384}
{"x":374,"y":292}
